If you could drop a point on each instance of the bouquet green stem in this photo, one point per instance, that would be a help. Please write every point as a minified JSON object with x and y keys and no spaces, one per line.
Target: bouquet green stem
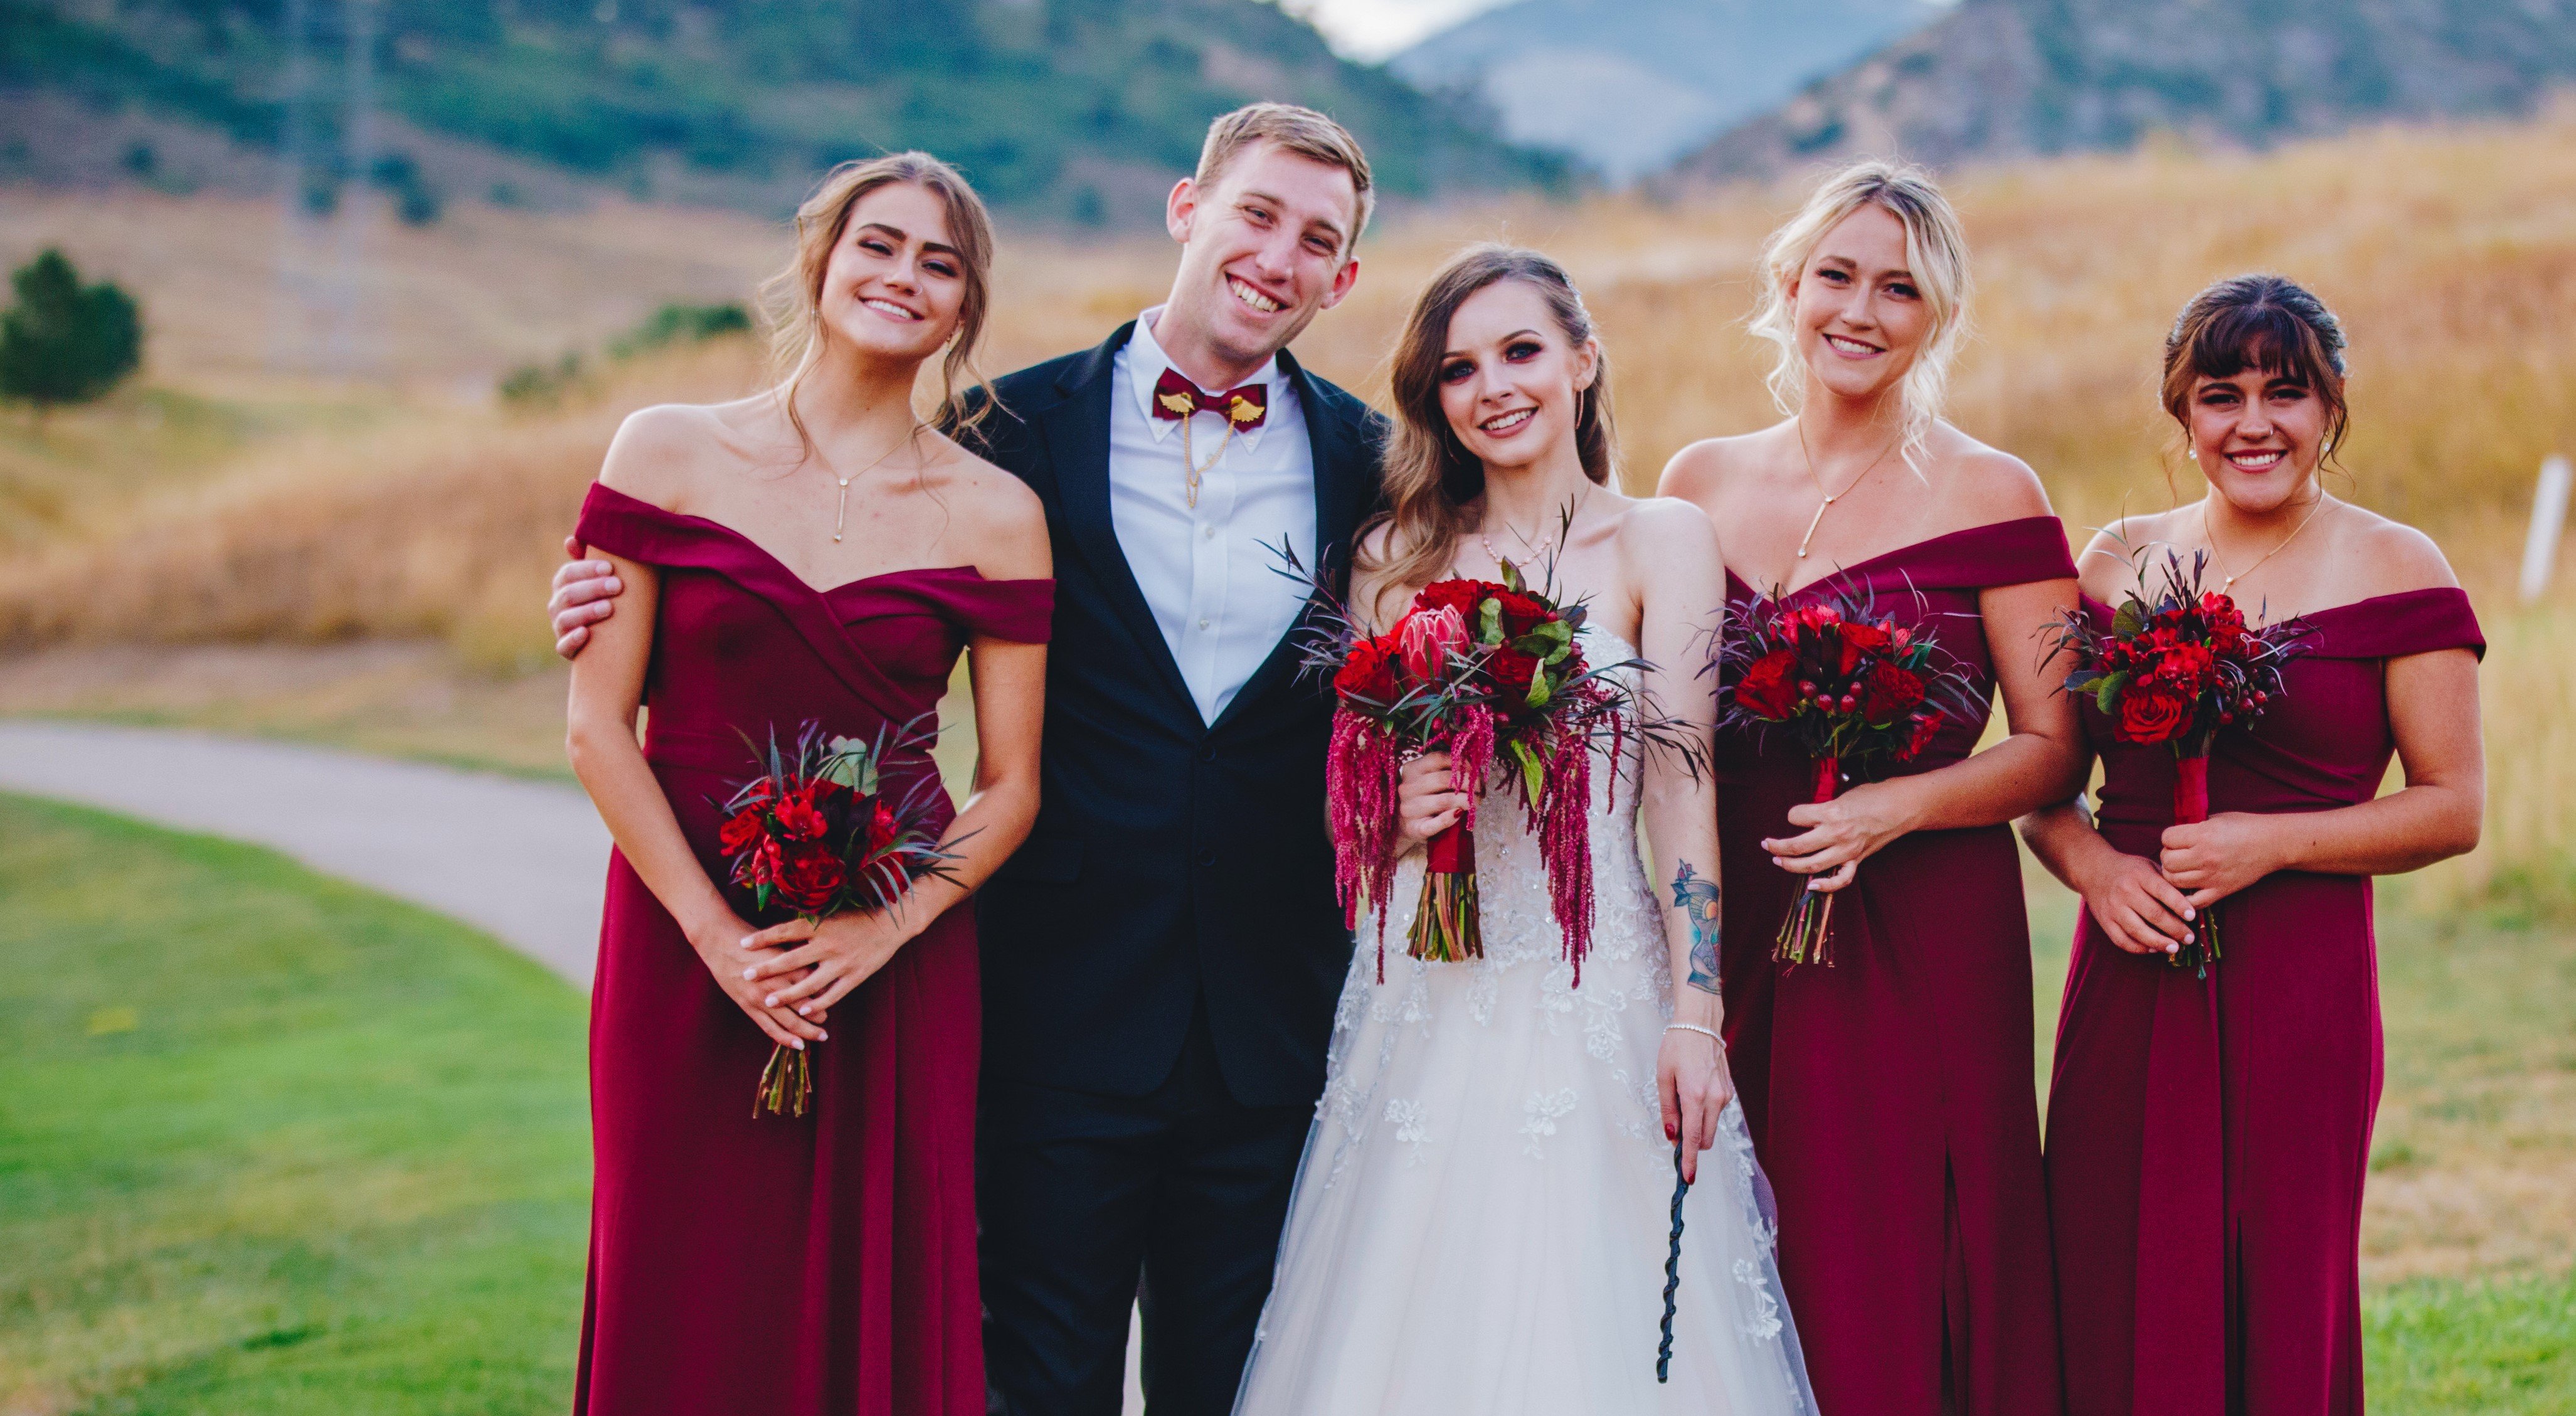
{"x":2191,"y":807}
{"x":1806,"y":935}
{"x":786,"y":1084}
{"x":1447,"y":929}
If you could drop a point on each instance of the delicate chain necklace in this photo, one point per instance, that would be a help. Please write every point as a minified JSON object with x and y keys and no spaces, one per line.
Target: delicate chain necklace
{"x":1582,"y":499}
{"x":841,"y":508}
{"x":2228,"y":585}
{"x":1831,"y":497}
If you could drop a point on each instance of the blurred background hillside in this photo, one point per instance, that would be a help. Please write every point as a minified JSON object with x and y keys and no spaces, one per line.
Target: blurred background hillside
{"x":403,"y":265}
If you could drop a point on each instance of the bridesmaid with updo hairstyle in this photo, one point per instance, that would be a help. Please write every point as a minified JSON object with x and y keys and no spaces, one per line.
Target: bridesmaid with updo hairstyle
{"x":1890,"y":1095}
{"x":2208,"y":1136}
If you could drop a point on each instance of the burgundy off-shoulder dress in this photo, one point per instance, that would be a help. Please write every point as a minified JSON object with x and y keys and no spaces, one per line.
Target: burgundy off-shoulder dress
{"x":1890,"y":1095}
{"x":786,"y":1266}
{"x":2207,"y":1137}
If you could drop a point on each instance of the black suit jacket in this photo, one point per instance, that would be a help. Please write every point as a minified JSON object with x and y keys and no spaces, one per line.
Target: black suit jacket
{"x":1173,"y":860}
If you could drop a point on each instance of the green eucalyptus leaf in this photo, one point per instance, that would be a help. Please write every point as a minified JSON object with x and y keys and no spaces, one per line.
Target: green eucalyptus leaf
{"x":2107,"y":692}
{"x":1489,"y":621}
{"x":2132,"y":617}
{"x":1539,"y":692}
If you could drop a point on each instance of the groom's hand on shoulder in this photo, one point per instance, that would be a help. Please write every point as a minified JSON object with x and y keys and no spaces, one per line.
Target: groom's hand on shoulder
{"x":585,"y":593}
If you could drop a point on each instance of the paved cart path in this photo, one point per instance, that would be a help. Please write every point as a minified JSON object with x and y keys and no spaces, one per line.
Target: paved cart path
{"x":524,"y":861}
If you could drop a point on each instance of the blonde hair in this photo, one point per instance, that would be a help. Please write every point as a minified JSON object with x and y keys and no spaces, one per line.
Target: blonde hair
{"x":1430,"y":476}
{"x":1302,"y":131}
{"x":792,"y":299}
{"x":1936,"y":255}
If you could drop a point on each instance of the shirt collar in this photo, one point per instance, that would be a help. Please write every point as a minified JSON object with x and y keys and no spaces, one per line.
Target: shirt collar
{"x":1146,"y":363}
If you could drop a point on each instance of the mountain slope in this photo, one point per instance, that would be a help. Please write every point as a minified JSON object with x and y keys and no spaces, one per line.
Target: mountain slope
{"x":2010,"y":78}
{"x":1627,"y":85}
{"x":1075,"y":108}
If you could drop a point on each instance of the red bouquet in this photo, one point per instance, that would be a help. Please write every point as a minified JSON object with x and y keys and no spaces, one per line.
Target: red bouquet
{"x":2176,"y":666}
{"x":1490,"y":672}
{"x":1850,"y":685}
{"x":815,"y":834}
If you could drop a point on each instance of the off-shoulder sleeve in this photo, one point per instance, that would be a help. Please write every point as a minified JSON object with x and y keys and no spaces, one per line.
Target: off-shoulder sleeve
{"x":2390,"y":626}
{"x":2013,"y":552}
{"x":638,"y":530}
{"x":1022,"y":611}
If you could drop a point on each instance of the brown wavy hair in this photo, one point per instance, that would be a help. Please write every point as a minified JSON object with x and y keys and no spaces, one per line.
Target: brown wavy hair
{"x":793,"y":298}
{"x":2266,"y":322}
{"x":1431,"y":478}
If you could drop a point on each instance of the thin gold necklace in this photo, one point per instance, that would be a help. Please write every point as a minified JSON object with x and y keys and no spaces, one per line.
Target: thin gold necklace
{"x":1831,"y":497}
{"x":841,"y":508}
{"x":2227,"y":586}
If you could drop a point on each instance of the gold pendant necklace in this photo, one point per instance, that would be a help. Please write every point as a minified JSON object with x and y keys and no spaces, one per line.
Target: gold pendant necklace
{"x":1831,"y":497}
{"x":2227,"y":586}
{"x":841,"y":507}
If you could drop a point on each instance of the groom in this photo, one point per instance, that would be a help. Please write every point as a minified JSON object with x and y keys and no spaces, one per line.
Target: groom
{"x":1162,"y":957}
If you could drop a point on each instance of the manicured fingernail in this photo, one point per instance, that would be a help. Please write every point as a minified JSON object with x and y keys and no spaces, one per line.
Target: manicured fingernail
{"x":769,"y":1002}
{"x":746,"y":941}
{"x":747,"y":973}
{"x":804,"y":1008}
{"x":796,"y":1042}
{"x":822,"y":1036}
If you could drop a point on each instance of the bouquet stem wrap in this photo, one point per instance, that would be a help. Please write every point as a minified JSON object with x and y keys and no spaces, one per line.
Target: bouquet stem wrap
{"x":1806,"y":935}
{"x":1447,"y":929}
{"x":2190,"y":808}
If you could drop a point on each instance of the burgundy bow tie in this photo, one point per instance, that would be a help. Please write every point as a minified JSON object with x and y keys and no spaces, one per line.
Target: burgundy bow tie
{"x":1175,"y":398}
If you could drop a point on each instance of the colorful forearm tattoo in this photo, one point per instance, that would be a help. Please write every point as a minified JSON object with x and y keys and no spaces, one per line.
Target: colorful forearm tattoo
{"x":1696,"y":897}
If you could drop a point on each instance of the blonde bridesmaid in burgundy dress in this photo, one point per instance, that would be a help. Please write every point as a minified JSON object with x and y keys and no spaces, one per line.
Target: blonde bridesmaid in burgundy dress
{"x":1890,"y":1095}
{"x":2208,"y":1136}
{"x":826,"y":569}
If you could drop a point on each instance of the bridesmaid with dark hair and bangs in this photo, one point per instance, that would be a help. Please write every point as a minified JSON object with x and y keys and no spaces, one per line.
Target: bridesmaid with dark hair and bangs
{"x":2208,"y":1136}
{"x":1890,"y":1095}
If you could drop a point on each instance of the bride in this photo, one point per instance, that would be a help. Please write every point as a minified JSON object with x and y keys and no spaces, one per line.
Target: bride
{"x":1480,"y":1221}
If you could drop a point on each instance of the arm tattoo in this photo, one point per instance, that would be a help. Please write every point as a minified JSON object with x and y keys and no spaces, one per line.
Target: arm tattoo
{"x":1696,"y":897}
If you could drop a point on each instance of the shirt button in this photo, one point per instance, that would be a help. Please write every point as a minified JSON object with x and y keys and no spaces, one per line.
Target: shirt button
{"x":1208,"y":532}
{"x":1203,"y":623}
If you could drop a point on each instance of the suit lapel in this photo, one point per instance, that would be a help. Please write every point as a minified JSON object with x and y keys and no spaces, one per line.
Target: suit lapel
{"x":1341,"y":483}
{"x":1077,"y":439}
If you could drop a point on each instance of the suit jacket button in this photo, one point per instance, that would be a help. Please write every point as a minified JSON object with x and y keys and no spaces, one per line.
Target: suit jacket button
{"x":1208,"y":753}
{"x":1208,"y":859}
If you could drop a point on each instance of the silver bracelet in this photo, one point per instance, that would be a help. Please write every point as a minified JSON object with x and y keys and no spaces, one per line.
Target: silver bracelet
{"x":1709,"y":1033}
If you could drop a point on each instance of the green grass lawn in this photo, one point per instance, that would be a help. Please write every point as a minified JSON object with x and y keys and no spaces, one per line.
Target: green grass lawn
{"x":270,"y":1143}
{"x":273,"y":1144}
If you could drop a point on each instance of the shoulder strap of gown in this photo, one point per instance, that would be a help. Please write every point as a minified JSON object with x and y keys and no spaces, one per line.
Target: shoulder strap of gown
{"x":2390,"y":626}
{"x":1999,"y":553}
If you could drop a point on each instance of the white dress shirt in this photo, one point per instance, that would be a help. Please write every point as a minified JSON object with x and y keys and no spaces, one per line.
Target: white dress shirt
{"x":1217,"y":593}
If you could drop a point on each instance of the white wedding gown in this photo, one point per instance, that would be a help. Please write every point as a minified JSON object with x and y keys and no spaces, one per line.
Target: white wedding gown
{"x":1481,"y":1218}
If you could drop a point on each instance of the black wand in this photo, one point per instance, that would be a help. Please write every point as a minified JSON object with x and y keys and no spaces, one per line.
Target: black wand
{"x":1672,"y":1272}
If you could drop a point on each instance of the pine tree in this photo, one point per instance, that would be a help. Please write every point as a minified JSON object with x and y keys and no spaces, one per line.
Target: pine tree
{"x":65,"y":342}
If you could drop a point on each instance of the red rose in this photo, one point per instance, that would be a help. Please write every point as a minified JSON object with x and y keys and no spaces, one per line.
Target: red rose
{"x":1369,"y":673}
{"x":1768,"y":690}
{"x":1512,"y":671}
{"x":1522,"y":613}
{"x":1460,"y":595}
{"x":740,"y":833}
{"x":810,"y":877}
{"x":1889,"y":691}
{"x":2150,"y":713}
{"x":1867,"y":638}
